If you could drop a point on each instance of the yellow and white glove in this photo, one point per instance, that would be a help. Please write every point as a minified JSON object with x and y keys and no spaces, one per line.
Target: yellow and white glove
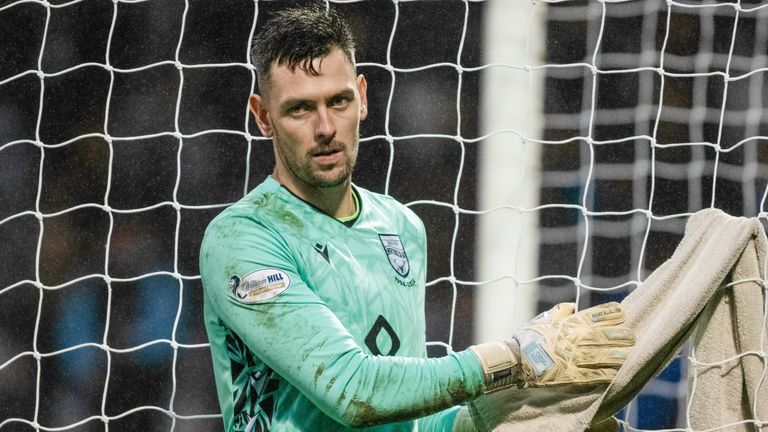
{"x":559,"y":347}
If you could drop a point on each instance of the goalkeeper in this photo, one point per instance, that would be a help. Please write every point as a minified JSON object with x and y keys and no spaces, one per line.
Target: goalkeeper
{"x":314,"y":287}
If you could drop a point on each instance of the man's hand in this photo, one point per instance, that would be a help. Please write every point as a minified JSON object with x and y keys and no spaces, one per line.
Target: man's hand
{"x":562,"y":346}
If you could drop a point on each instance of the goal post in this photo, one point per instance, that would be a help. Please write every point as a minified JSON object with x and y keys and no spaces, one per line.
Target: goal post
{"x":509,"y":167}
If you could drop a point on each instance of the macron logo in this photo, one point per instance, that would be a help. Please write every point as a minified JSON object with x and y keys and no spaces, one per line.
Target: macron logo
{"x":323,"y":251}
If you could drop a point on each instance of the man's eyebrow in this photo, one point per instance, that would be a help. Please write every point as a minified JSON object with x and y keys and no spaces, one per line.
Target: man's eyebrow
{"x":344,"y":92}
{"x":288,"y":103}
{"x":292,"y":102}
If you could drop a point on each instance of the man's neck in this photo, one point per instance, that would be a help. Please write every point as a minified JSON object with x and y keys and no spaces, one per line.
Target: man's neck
{"x":336,"y":201}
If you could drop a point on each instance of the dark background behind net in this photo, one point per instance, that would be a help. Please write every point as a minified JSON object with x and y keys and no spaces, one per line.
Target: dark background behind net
{"x":659,"y":150}
{"x":152,"y":252}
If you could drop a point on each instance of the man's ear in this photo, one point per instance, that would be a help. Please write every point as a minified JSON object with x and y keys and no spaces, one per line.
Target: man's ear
{"x":260,"y":114}
{"x":362,"y":88}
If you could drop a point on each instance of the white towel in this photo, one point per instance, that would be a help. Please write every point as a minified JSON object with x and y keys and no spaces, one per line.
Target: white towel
{"x":686,"y":293}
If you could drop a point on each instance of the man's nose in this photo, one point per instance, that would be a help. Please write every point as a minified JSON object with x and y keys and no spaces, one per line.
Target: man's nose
{"x":325,"y":129}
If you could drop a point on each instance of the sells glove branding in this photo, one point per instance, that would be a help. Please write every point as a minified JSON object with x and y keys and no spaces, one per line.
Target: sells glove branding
{"x":605,"y":314}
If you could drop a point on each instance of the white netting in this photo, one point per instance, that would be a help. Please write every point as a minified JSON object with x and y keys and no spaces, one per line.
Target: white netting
{"x":124,"y":129}
{"x":664,"y":110}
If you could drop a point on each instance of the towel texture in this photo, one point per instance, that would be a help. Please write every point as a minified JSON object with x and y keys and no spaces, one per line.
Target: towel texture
{"x":711,"y":291}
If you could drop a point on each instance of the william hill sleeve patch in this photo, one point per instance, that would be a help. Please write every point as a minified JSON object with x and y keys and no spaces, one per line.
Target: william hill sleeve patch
{"x":260,"y":285}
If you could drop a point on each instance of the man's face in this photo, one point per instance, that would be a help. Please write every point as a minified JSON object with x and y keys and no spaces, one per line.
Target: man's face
{"x":314,"y":121}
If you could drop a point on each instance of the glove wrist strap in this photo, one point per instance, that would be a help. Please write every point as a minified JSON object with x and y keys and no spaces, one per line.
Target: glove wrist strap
{"x":500,"y":365}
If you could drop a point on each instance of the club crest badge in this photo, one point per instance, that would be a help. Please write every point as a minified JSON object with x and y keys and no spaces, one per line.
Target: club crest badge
{"x":396,"y":253}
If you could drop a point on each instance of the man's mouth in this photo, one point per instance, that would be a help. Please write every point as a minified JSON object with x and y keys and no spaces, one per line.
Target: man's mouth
{"x":325,"y":152}
{"x":329,"y":152}
{"x":326,"y":156}
{"x":327,"y":148}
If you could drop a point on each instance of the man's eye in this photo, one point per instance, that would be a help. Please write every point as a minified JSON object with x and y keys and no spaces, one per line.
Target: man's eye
{"x":297,"y":109}
{"x":340,"y":101}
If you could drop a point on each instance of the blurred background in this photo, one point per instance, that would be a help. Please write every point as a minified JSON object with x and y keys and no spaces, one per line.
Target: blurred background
{"x":549,"y":155}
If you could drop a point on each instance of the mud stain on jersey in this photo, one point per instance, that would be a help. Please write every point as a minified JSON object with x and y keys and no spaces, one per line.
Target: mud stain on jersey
{"x":330,"y":384}
{"x":267,"y":203}
{"x":319,"y":371}
{"x":366,"y":413}
{"x":261,"y":200}
{"x":289,"y":218}
{"x":271,"y":317}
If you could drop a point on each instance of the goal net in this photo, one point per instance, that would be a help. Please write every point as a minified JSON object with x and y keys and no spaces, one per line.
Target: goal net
{"x":554,"y":150}
{"x":653,"y":110}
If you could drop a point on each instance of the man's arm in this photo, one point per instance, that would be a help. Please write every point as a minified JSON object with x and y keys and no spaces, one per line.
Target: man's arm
{"x":297,"y":336}
{"x":303,"y":341}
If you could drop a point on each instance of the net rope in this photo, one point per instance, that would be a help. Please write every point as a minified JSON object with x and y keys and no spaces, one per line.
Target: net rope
{"x":590,"y":116}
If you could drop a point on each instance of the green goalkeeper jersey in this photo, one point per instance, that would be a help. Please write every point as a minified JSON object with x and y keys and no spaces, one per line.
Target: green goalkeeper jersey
{"x":318,"y":325}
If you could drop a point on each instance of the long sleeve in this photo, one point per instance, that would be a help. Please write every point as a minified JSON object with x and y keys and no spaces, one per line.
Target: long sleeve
{"x":295,"y":334}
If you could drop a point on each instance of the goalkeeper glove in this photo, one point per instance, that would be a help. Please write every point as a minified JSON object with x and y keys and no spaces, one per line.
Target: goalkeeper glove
{"x":560,"y":347}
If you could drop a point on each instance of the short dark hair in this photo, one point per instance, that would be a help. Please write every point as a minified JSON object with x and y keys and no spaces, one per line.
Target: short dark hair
{"x":297,"y":36}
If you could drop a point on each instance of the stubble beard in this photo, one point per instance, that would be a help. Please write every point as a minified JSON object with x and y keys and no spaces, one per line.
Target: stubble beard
{"x":300,"y":166}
